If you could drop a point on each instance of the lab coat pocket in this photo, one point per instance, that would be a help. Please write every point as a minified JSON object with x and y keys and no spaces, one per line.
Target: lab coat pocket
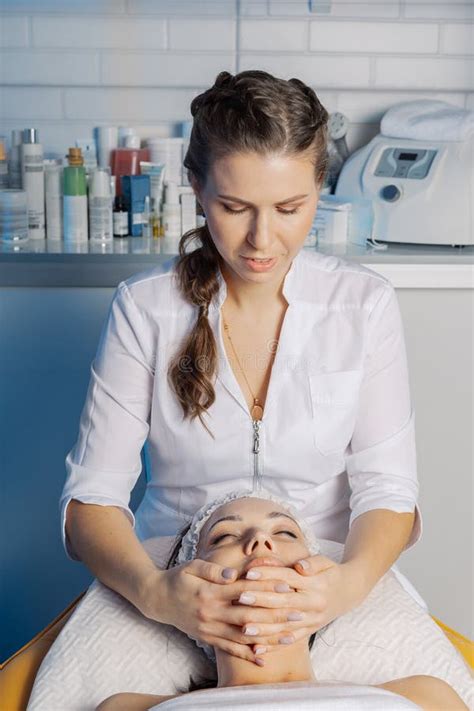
{"x":334,"y":399}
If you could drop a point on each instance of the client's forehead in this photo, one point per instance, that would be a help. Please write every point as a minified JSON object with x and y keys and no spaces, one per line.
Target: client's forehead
{"x":245,"y":508}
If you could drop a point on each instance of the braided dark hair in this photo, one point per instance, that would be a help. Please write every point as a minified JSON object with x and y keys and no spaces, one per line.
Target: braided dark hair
{"x":251,"y":112}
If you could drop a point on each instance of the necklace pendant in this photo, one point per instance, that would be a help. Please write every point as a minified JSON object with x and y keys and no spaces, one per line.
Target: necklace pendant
{"x":256,"y":411}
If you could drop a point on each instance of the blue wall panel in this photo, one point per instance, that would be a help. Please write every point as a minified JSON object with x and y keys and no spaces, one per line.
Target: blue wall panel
{"x":48,"y":339}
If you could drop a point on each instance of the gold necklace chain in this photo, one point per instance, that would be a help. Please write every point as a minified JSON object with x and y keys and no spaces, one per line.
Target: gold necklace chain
{"x":256,"y":410}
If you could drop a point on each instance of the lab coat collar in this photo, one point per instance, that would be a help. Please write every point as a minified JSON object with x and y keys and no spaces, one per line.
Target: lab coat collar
{"x":290,"y":283}
{"x":292,"y":338}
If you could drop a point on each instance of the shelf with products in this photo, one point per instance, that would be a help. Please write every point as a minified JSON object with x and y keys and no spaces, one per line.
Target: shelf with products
{"x":54,"y":263}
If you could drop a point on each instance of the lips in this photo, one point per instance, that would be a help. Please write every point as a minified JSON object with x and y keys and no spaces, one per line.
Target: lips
{"x":263,"y":560}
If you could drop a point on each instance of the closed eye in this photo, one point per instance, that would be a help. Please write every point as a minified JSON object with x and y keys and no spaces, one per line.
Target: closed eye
{"x":239,"y":212}
{"x":224,"y":535}
{"x":219,"y":538}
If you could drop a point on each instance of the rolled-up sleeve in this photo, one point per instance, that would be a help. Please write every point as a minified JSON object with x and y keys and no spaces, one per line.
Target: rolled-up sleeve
{"x":105,"y":463}
{"x":381,"y":464}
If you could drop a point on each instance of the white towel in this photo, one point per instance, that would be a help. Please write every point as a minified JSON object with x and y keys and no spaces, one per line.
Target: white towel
{"x":428,"y":120}
{"x":304,"y":696}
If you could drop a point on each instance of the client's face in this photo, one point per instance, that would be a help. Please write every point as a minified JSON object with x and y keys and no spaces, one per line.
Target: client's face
{"x":247,"y":532}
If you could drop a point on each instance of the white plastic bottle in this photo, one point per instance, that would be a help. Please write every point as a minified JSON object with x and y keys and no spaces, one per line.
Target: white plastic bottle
{"x":32,"y":174}
{"x":53,"y":182}
{"x":100,"y":207}
{"x":171,"y":219}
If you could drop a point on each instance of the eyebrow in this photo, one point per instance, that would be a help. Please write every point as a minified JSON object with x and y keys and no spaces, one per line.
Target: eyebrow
{"x":245,"y":202}
{"x":236,"y":517}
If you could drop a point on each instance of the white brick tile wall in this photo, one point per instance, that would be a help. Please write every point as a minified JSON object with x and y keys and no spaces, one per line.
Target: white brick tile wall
{"x":295,"y":7}
{"x":274,"y":35}
{"x":183,"y":7}
{"x":368,"y":37}
{"x":321,"y":71}
{"x":437,"y":73}
{"x":49,"y":67}
{"x":165,"y":69}
{"x":64,"y":7}
{"x":253,"y":8}
{"x":457,"y":39}
{"x":17,"y":103}
{"x":69,"y":65}
{"x":337,"y":8}
{"x":439,"y":9}
{"x":380,"y":9}
{"x":128,"y":104}
{"x":13,"y":31}
{"x":198,"y":34}
{"x":98,"y":32}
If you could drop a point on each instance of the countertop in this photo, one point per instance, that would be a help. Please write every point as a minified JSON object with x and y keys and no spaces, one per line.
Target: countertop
{"x":45,"y":263}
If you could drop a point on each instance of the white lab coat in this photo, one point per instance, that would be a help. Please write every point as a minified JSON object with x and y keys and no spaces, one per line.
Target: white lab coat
{"x":337,"y":436}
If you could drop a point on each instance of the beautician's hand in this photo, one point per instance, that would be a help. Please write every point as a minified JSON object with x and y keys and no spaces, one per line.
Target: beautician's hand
{"x":199,"y":599}
{"x":321,"y":591}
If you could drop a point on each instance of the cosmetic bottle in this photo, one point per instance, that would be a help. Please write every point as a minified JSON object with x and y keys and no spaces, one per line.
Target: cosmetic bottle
{"x":13,"y":217}
{"x":4,"y":180}
{"x":168,"y":151}
{"x":135,"y":190}
{"x":171,"y":220}
{"x":124,"y":132}
{"x":53,"y":188}
{"x":32,"y":176}
{"x":89,"y":154}
{"x":146,"y":231}
{"x":100,"y":206}
{"x":126,"y":160}
{"x":155,"y":223}
{"x":14,"y":163}
{"x":156,"y":173}
{"x":75,"y":198}
{"x":106,"y":138}
{"x":120,"y":217}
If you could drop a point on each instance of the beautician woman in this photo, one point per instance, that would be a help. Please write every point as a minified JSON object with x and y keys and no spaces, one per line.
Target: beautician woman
{"x":248,"y":361}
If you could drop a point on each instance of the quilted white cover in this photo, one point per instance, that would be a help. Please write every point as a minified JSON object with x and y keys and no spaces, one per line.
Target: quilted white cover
{"x":304,"y":696}
{"x":107,"y":646}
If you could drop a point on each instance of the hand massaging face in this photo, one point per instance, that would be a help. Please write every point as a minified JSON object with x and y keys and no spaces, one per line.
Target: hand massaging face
{"x":242,"y":528}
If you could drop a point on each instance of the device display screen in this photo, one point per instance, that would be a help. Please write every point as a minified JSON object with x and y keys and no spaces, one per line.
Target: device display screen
{"x":398,"y":162}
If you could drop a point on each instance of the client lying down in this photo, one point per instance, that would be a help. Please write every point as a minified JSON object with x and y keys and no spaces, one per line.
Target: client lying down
{"x":245,"y":530}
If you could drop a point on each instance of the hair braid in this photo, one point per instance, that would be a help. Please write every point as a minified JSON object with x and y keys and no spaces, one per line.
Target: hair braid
{"x":251,"y":111}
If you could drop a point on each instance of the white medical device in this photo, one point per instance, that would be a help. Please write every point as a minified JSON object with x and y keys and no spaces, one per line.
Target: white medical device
{"x":422,"y":191}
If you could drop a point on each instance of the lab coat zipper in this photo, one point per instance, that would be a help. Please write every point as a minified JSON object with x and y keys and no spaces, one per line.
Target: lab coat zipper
{"x":257,"y":483}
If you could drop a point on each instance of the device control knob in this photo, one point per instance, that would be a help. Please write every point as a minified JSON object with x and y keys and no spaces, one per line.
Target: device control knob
{"x":390,"y":193}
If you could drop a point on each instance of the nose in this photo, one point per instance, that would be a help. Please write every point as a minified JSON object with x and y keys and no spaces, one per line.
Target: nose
{"x":259,"y":541}
{"x":260,"y":233}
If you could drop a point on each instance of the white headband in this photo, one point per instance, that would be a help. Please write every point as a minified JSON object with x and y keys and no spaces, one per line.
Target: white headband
{"x":189,"y":544}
